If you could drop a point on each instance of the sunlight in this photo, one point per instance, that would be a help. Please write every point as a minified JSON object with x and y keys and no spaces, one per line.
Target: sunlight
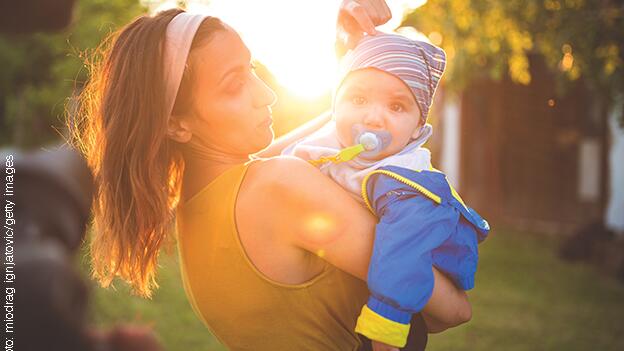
{"x":319,"y":229}
{"x":294,"y":39}
{"x":320,"y":223}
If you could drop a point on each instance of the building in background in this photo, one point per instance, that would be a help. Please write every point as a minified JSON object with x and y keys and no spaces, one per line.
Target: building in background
{"x":524,"y":157}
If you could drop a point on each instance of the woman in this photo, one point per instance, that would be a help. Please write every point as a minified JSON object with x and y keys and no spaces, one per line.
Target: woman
{"x":169,"y":121}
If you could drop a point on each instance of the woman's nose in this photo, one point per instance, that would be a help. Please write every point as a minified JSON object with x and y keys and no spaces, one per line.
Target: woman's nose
{"x":262,"y":94}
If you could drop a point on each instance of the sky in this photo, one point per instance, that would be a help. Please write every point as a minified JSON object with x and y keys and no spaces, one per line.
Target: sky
{"x":293,"y":38}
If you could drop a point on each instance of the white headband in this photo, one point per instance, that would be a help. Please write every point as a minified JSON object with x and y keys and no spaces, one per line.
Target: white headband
{"x":180,"y":33}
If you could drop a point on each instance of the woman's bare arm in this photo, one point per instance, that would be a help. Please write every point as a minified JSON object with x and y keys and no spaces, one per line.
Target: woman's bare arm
{"x":277,"y":146}
{"x":448,"y":305}
{"x":314,"y":213}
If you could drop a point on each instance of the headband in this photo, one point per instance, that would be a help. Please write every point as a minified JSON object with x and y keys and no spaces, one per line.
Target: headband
{"x":180,"y":33}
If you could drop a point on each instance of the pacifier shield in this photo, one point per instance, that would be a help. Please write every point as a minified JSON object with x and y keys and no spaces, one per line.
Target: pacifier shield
{"x":374,"y":141}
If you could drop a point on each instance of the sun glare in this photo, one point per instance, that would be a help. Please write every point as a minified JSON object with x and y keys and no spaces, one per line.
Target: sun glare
{"x":293,"y":38}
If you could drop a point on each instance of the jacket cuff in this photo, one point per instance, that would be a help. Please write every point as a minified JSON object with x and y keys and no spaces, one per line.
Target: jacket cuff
{"x":387,"y":311}
{"x":467,"y":283}
{"x":377,"y":327}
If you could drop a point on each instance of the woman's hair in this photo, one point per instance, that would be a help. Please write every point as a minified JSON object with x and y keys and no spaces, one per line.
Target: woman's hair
{"x":120,"y":125}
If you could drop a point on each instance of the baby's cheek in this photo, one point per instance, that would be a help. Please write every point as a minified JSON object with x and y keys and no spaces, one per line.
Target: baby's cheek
{"x":344,"y":137}
{"x":343,"y":129}
{"x":400,"y":139}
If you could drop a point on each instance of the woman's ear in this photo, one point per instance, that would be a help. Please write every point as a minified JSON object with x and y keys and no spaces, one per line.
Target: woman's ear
{"x":179,"y":129}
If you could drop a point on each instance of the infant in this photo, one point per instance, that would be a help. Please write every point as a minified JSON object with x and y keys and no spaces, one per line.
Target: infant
{"x":374,"y":148}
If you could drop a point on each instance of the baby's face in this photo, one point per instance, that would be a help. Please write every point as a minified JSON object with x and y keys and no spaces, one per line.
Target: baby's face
{"x":376,"y":101}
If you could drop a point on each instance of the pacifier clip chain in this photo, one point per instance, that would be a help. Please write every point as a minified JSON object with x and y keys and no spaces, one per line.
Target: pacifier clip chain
{"x":368,"y":141}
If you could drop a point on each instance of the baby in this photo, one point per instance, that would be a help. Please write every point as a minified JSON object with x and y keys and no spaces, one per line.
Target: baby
{"x":374,"y":148}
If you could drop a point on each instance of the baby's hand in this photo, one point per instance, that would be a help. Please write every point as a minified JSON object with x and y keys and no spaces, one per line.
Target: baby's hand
{"x":380,"y":346}
{"x":357,"y":17}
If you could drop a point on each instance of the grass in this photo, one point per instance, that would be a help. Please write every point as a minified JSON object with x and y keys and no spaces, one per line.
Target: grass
{"x":525,"y":299}
{"x":168,"y":312}
{"x":528,"y":299}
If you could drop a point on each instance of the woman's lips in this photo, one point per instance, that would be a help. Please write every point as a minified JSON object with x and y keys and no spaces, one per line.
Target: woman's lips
{"x":266,"y":122}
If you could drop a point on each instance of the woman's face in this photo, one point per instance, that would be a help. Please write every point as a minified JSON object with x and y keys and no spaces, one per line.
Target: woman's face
{"x":231,"y":105}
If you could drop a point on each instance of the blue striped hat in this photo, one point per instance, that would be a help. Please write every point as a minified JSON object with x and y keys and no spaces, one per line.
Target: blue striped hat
{"x":419,"y":64}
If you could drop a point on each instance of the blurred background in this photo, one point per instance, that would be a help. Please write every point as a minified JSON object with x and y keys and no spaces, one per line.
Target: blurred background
{"x":527,"y":126}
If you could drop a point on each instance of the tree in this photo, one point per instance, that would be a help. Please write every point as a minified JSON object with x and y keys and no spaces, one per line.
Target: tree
{"x":40,"y":71}
{"x":577,"y":38}
{"x":580,"y":41}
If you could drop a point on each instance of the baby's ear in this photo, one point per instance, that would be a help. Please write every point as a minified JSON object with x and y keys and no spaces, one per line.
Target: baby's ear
{"x":417,"y":131}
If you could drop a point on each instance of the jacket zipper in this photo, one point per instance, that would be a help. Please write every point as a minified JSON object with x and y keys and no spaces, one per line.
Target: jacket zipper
{"x":401,"y":179}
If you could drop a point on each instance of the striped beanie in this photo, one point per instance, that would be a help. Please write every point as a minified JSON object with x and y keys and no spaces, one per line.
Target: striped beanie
{"x":419,"y":64}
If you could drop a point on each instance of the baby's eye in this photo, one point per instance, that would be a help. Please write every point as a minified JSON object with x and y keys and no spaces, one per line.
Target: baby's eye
{"x":396,"y":107}
{"x":358,"y":100}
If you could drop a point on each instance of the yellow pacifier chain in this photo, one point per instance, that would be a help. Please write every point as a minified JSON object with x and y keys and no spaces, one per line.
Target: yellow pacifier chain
{"x":368,"y":141}
{"x":343,"y":155}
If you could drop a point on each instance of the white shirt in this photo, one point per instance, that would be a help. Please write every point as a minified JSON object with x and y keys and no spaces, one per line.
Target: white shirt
{"x":350,"y":174}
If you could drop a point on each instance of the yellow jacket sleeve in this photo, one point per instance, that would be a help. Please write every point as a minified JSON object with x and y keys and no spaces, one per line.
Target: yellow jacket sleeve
{"x":377,"y":327}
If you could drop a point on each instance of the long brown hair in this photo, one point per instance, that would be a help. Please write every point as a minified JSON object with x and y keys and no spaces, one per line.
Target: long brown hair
{"x":121,"y":127}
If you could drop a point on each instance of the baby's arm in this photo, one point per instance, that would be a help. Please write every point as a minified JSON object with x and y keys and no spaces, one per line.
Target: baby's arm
{"x":400,"y":276}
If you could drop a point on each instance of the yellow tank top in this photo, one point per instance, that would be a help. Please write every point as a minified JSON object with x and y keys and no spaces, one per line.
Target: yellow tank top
{"x":242,"y":307}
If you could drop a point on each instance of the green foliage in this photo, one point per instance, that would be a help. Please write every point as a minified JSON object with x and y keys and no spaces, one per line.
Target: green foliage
{"x":493,"y":38}
{"x":40,"y":71}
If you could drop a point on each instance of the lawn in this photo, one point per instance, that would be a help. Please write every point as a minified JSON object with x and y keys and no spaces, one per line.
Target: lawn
{"x":525,"y":299}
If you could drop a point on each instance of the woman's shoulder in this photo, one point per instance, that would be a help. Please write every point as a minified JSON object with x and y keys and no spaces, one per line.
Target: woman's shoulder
{"x":284,"y":173}
{"x":308,"y":210}
{"x":283,"y":185}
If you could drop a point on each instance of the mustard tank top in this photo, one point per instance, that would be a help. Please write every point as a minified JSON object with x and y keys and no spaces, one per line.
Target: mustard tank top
{"x":242,"y":307}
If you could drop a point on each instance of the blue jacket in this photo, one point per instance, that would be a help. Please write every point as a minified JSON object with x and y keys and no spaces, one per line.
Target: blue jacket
{"x":422,"y":223}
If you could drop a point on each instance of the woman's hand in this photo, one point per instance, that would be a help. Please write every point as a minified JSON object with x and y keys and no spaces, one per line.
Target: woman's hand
{"x":357,"y":17}
{"x":380,"y":346}
{"x":448,"y":306}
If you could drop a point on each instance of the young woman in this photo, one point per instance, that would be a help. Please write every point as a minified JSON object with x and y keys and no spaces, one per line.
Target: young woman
{"x":169,"y":120}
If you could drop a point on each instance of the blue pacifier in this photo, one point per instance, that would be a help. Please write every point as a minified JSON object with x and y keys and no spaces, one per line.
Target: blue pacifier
{"x":374,"y":141}
{"x":368,"y":143}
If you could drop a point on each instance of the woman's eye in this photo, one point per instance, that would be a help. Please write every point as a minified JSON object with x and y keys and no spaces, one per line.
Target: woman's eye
{"x":236,"y":85}
{"x":397,"y":107}
{"x":358,"y":100}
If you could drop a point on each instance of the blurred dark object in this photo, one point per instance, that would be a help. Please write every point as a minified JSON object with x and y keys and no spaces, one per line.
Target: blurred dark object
{"x":582,"y":244}
{"x":596,"y":244}
{"x":52,"y":204}
{"x":127,"y":338}
{"x":52,"y":196}
{"x":54,"y":190}
{"x":29,"y":16}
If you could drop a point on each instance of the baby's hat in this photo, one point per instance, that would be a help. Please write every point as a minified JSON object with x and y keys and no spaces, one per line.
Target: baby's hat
{"x":419,"y":64}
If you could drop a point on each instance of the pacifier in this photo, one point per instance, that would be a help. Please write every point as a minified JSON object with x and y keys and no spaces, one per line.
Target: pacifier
{"x":374,"y":141}
{"x":368,"y":143}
